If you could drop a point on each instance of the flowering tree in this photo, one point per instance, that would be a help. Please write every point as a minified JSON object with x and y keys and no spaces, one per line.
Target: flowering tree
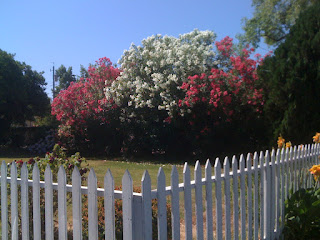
{"x":229,"y":95}
{"x":166,"y":86}
{"x":153,"y":72}
{"x":82,"y":107}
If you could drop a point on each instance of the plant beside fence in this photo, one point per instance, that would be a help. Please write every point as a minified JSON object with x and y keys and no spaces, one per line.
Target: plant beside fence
{"x":243,"y":199}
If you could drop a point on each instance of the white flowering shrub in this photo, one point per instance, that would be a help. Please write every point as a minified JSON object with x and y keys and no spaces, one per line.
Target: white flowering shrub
{"x":153,"y":72}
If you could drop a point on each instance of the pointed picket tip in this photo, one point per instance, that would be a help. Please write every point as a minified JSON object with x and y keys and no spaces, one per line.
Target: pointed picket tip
{"x":161,"y":173}
{"x":217,"y":163}
{"x":197,"y":166}
{"x":35,"y":168}
{"x":108,"y":176}
{"x":61,"y":170}
{"x":92,"y":173}
{"x":186,"y":168}
{"x":226,"y":162}
{"x":174,"y":171}
{"x":48,"y":169}
{"x":267,"y":154}
{"x":126,"y":177}
{"x":287,"y":150}
{"x":24,"y":170}
{"x":208,"y":170}
{"x":13,"y":166}
{"x":234,"y":162}
{"x":24,"y":167}
{"x":242,"y":160}
{"x":278,"y":152}
{"x":273,"y":153}
{"x":208,"y":164}
{"x":75,"y":172}
{"x":146,"y":176}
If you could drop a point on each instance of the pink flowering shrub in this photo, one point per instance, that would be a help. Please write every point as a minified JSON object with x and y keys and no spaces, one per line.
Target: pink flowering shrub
{"x":229,"y":95}
{"x":82,"y":108}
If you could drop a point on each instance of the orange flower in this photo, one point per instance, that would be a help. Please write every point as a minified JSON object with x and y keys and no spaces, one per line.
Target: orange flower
{"x":316,"y":138}
{"x":315,"y":170}
{"x":288,"y":144}
{"x":281,"y":141}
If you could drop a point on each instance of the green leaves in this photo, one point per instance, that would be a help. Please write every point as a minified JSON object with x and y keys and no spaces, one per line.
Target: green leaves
{"x":302,"y":215}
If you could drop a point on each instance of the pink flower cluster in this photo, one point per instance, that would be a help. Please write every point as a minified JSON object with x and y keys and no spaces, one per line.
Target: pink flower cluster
{"x":85,"y":100}
{"x":227,"y":89}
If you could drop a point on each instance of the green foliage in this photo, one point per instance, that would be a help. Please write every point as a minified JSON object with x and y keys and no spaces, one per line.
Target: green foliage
{"x":291,"y":80}
{"x":302,"y":215}
{"x":272,"y":20}
{"x":65,"y":77}
{"x":22,"y":94}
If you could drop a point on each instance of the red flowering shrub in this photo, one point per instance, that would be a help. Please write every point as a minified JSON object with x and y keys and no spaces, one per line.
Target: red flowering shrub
{"x":82,"y":108}
{"x":228,"y":96}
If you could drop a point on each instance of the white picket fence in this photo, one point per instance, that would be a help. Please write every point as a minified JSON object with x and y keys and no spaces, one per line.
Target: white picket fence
{"x":240,"y":202}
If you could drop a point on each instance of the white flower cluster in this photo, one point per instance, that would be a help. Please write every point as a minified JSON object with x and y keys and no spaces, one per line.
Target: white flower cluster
{"x":153,"y":73}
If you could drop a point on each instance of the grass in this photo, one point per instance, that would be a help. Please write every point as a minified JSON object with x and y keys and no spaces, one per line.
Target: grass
{"x":118,"y":166}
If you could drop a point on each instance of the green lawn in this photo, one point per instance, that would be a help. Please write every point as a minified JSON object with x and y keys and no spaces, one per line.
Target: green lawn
{"x":118,"y":168}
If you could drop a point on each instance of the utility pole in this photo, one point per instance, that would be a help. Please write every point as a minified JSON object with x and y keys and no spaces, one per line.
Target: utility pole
{"x":53,"y":76}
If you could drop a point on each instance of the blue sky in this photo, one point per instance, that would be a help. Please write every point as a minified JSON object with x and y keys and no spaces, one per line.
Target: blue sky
{"x":75,"y":32}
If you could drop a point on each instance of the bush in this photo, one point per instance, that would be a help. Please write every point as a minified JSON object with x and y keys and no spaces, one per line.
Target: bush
{"x":88,"y":120}
{"x":302,"y":215}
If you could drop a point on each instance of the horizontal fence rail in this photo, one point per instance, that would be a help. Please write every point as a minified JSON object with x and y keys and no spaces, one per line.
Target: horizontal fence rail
{"x":238,"y":198}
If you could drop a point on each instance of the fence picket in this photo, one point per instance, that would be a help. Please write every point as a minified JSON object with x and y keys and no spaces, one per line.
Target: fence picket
{"x":24,"y":202}
{"x":162,"y":205}
{"x":242,"y":197}
{"x":235,"y":198}
{"x":262,"y":189}
{"x":266,"y":195}
{"x":62,"y":203}
{"x":217,"y":174}
{"x":198,"y":200}
{"x":92,"y":206}
{"x":109,"y":206}
{"x":226,"y":166}
{"x":295,"y":169}
{"x":272,"y":198}
{"x":175,"y":211}
{"x":249,"y":194}
{"x":277,"y":192}
{"x":209,"y":217}
{"x":282,"y":162}
{"x":48,"y":203}
{"x":127,"y":199}
{"x":256,"y":197}
{"x":309,"y":166}
{"x":287,"y":169}
{"x":14,"y":201}
{"x":291,"y":174}
{"x":4,"y":201}
{"x":76,"y":204}
{"x":36,"y":202}
{"x":187,"y":202}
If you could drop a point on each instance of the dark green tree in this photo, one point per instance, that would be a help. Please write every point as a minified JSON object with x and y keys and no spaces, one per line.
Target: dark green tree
{"x":272,"y":20}
{"x":65,"y":77}
{"x":22,"y":93}
{"x":291,"y":79}
{"x":83,"y":72}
